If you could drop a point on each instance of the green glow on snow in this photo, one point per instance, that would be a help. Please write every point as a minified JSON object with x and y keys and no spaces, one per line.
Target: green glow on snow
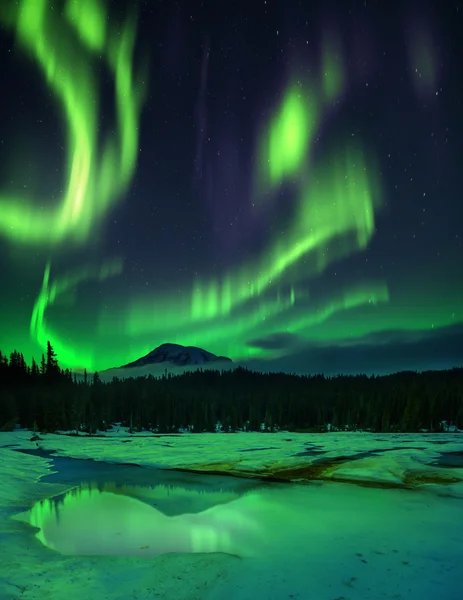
{"x":70,"y":52}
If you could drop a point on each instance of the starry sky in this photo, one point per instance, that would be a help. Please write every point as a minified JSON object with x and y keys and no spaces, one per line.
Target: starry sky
{"x":277,"y":182}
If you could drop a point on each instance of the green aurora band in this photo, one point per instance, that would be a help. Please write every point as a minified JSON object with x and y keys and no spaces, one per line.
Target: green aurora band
{"x":423,"y":60}
{"x":332,"y":71}
{"x":285,"y":144}
{"x":69,"y":48}
{"x":336,"y":198}
{"x":337,"y":207}
{"x":334,"y":217}
{"x":50,"y":293}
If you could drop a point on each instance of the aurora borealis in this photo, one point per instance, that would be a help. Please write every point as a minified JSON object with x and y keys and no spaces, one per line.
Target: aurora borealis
{"x":273,"y":182}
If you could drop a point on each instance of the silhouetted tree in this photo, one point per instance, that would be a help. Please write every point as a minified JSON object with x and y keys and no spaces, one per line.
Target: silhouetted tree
{"x":52,"y":368}
{"x":240,"y":399}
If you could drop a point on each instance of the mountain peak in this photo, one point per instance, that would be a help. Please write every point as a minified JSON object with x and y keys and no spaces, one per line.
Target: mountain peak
{"x":178,"y":355}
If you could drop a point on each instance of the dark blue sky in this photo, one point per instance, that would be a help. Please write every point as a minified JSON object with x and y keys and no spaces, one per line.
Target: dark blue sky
{"x":218,"y":73}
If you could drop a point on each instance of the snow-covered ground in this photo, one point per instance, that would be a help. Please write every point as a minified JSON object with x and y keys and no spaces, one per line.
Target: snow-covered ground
{"x":387,"y":459}
{"x":398,"y":535}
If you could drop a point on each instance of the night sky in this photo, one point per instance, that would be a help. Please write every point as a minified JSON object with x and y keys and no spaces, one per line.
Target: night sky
{"x":268,"y":180}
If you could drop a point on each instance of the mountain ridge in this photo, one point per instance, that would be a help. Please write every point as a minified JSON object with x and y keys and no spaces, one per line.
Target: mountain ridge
{"x":177,"y":355}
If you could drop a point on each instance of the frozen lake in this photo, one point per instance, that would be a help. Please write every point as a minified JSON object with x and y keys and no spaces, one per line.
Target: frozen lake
{"x":132,"y":511}
{"x":120,"y":531}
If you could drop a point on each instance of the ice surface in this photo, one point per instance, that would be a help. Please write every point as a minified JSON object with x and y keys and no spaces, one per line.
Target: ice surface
{"x":322,"y":540}
{"x":383,"y":459}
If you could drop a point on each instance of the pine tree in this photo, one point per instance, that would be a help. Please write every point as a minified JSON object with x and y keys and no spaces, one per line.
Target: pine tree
{"x":43,"y":365}
{"x":52,"y":367}
{"x":34,"y":369}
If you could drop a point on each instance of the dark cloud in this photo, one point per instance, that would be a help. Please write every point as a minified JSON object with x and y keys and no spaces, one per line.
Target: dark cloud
{"x":377,"y":353}
{"x":400,"y":336}
{"x":277,"y":341}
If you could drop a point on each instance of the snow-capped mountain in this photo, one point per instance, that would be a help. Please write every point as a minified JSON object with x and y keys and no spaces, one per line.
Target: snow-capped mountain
{"x":177,"y":355}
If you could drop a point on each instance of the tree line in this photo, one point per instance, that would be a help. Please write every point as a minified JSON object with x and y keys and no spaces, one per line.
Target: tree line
{"x":46,"y":398}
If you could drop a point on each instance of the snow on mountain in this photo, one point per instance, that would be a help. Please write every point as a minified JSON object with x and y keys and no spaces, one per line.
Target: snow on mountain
{"x":178,"y":355}
{"x":174,"y":358}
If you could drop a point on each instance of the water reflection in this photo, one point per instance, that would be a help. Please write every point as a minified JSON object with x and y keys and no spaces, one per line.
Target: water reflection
{"x":105,"y":519}
{"x":170,"y":497}
{"x":279,"y":520}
